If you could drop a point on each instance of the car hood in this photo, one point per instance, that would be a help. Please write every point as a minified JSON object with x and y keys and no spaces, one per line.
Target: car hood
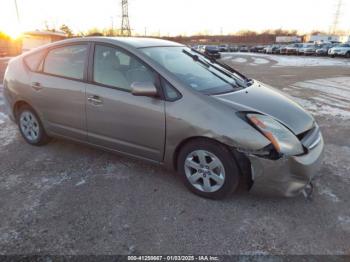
{"x":269,"y":101}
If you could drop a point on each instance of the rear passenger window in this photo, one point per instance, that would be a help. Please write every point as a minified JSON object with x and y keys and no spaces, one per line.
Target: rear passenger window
{"x":67,"y":61}
{"x":33,"y":60}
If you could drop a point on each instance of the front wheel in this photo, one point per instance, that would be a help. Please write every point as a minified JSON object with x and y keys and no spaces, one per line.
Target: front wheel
{"x":208,"y":169}
{"x":30,"y":127}
{"x":347,"y":55}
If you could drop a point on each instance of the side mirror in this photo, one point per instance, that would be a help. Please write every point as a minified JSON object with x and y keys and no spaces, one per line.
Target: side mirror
{"x":144,"y":89}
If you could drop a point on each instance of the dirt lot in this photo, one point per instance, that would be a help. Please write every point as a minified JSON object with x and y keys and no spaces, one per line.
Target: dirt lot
{"x":66,"y":198}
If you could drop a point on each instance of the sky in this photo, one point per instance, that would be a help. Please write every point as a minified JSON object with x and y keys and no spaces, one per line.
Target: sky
{"x":174,"y":17}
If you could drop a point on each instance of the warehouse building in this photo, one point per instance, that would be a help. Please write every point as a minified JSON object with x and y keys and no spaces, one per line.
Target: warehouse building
{"x":37,"y":38}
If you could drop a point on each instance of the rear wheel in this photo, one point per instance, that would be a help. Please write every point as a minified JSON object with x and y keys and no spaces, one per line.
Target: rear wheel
{"x":208,"y":169}
{"x":30,"y":127}
{"x":347,"y":55}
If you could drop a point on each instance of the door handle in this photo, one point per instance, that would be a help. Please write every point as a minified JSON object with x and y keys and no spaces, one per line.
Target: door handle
{"x":36,"y":86}
{"x":95,"y":100}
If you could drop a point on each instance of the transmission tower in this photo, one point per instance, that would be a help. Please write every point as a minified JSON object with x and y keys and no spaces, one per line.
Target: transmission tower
{"x":125,"y":29}
{"x":336,"y":16}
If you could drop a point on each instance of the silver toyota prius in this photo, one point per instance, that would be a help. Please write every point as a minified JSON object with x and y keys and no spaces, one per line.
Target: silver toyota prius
{"x":164,"y":102}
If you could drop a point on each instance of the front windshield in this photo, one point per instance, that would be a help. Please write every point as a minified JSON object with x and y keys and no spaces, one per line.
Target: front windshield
{"x":195,"y":71}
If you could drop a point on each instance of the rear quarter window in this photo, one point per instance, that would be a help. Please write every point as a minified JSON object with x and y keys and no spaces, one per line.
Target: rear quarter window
{"x":33,"y":60}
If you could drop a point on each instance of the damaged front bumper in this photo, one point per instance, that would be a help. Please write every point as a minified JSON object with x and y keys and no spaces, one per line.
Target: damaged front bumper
{"x":287,"y":176}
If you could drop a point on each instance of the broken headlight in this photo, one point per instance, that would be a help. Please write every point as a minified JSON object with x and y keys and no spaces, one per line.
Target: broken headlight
{"x":282,"y":139}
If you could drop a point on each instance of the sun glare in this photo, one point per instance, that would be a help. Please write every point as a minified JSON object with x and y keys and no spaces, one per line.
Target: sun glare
{"x":14,"y":32}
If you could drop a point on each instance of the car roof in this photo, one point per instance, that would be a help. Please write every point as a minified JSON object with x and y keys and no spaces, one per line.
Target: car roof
{"x":133,"y":42}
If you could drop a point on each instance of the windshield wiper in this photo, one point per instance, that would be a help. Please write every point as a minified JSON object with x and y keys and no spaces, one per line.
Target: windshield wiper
{"x":247,"y":80}
{"x":208,"y":65}
{"x":196,"y":58}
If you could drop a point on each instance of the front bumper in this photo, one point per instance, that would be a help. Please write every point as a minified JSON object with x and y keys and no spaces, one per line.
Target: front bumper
{"x":337,"y":53}
{"x":291,"y":51}
{"x":286,"y":176}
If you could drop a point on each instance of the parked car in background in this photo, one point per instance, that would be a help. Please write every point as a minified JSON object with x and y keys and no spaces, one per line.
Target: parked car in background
{"x":292,"y":49}
{"x":283,"y":49}
{"x":223,"y":48}
{"x":307,"y":49}
{"x":264,"y":50}
{"x":340,"y":50}
{"x":164,"y":102}
{"x":243,"y":49}
{"x":323,"y":49}
{"x":256,"y":49}
{"x":233,"y":48}
{"x":212,"y":51}
{"x":272,"y":49}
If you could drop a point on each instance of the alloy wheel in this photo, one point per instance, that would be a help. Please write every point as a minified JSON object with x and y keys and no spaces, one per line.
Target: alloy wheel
{"x":29,"y":126}
{"x":204,"y":171}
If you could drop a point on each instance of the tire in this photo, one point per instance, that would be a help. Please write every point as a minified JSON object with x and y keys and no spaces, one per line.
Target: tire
{"x":221,"y":171}
{"x":347,"y":55}
{"x":30,"y":126}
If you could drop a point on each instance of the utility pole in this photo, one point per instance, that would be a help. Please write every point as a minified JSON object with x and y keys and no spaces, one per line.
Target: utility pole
{"x":18,"y":19}
{"x":112,"y":27}
{"x":336,"y":16}
{"x":125,"y":28}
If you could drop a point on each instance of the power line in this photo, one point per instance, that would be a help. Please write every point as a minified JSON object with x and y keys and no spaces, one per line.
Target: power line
{"x":125,"y":28}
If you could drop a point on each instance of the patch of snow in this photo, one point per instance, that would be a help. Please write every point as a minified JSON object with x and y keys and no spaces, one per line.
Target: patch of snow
{"x":8,"y":134}
{"x":334,"y":156}
{"x":345,"y":222}
{"x":295,"y":61}
{"x":329,"y":96}
{"x":260,"y":61}
{"x":328,"y":193}
{"x":336,"y":87}
{"x":1,"y":96}
{"x":3,"y":117}
{"x":239,"y":60}
{"x":307,"y":104}
{"x":81,"y":182}
{"x":343,"y":219}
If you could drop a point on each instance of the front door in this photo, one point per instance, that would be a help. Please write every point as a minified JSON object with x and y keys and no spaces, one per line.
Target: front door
{"x":116,"y":119}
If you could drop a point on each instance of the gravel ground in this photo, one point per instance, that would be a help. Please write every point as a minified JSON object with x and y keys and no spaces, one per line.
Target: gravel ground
{"x":67,"y":198}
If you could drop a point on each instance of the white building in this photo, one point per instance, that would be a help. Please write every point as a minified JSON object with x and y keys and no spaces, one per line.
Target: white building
{"x":37,"y":38}
{"x":321,"y":38}
{"x":288,"y":39}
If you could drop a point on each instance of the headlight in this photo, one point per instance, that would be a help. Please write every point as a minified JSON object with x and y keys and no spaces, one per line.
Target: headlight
{"x":283,"y":140}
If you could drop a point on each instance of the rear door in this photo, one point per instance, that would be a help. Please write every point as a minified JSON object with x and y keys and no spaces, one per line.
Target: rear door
{"x":60,"y":90}
{"x":116,"y":119}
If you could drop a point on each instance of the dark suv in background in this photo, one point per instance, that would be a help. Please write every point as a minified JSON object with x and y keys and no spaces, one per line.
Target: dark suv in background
{"x":212,"y":51}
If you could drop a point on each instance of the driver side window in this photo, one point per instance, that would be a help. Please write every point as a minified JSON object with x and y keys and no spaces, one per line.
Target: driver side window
{"x":115,"y":68}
